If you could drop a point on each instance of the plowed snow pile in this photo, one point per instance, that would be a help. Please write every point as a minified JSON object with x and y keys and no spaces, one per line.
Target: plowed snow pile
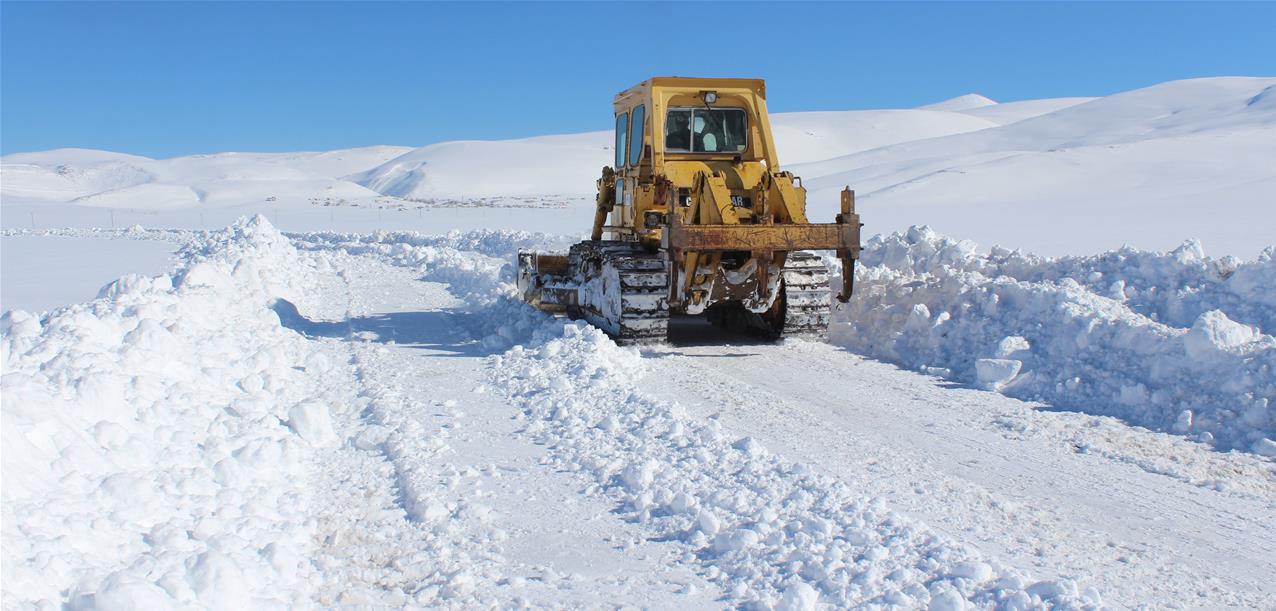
{"x":157,"y":439}
{"x":770,"y":532}
{"x":154,"y":437}
{"x":1172,"y":341}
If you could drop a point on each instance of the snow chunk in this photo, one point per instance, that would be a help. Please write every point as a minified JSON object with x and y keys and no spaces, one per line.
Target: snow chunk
{"x":312,"y":422}
{"x":977,"y":571}
{"x":1183,"y":423}
{"x":208,"y":274}
{"x":947,"y":600}
{"x":708,"y":523}
{"x":638,"y":477}
{"x":1190,"y":251}
{"x":798,"y":596}
{"x":994,"y":374}
{"x":1265,"y":447}
{"x":218,"y":581}
{"x":1214,"y":332}
{"x":123,"y":593}
{"x":1011,"y":346}
{"x":735,"y":540}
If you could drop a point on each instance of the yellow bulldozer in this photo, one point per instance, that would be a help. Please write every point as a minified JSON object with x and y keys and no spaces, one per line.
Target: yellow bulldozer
{"x":697,"y":218}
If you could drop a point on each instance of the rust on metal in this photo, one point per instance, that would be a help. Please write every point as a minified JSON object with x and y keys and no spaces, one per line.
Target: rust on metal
{"x":812,"y":236}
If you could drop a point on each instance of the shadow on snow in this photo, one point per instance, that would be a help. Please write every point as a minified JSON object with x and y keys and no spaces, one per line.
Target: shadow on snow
{"x":445,"y":331}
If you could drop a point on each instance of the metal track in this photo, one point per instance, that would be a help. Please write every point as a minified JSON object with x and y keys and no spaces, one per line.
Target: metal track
{"x":623,"y":290}
{"x":807,"y":296}
{"x":800,"y":310}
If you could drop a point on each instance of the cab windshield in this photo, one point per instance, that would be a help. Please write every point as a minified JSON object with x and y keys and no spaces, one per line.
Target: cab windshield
{"x":706,"y":130}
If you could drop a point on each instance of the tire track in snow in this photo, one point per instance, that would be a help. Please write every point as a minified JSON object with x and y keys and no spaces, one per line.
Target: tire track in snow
{"x":381,"y":538}
{"x":436,"y":498}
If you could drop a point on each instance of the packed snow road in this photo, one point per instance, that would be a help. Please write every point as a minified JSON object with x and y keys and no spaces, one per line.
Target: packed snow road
{"x":1141,"y":516}
{"x":371,"y":420}
{"x":438,"y":482}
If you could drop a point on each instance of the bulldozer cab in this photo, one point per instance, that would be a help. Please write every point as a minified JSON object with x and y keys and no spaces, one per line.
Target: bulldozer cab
{"x":676,"y":128}
{"x":696,"y":120}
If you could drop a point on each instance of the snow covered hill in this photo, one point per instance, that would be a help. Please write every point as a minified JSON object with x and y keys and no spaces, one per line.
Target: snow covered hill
{"x":99,"y":178}
{"x":1148,"y":168}
{"x":960,"y":103}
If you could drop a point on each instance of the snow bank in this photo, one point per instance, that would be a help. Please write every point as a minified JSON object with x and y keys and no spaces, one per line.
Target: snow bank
{"x":470,"y":263}
{"x":148,"y":460}
{"x":770,"y":532}
{"x":1173,"y":341}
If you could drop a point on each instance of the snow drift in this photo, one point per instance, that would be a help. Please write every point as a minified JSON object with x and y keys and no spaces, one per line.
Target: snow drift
{"x":154,"y":438}
{"x":1175,"y":341}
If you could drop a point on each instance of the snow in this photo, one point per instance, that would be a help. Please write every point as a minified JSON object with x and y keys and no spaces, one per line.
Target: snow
{"x":995,"y":374}
{"x":41,"y":272}
{"x":762,"y":522}
{"x":311,"y":422}
{"x":1146,"y":168}
{"x":1006,"y":113}
{"x":105,"y":179}
{"x":355,"y":414}
{"x":1053,"y":494}
{"x":165,"y":466}
{"x":815,"y":136}
{"x":970,"y":101}
{"x":310,"y":414}
{"x":1182,"y":333}
{"x":507,"y":168}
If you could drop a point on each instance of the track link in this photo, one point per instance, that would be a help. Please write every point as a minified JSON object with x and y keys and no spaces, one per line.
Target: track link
{"x":807,"y":296}
{"x":623,"y":290}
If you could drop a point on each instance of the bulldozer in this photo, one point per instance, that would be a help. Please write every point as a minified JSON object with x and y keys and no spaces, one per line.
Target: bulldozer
{"x":696,"y":218}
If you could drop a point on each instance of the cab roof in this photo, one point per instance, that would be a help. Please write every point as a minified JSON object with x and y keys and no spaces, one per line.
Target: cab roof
{"x":757,"y":85}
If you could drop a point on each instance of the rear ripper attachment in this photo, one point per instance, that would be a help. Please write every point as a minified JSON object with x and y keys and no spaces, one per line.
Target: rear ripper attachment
{"x":697,"y":218}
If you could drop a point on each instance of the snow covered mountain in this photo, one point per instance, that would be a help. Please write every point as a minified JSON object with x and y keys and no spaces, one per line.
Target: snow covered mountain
{"x":1148,"y":167}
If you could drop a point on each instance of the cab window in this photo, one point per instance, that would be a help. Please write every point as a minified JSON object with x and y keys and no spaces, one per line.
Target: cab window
{"x":622,"y":123}
{"x":706,"y":130}
{"x":635,"y":135}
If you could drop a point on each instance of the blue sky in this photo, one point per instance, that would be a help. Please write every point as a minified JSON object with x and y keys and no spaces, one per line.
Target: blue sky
{"x":166,"y":79}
